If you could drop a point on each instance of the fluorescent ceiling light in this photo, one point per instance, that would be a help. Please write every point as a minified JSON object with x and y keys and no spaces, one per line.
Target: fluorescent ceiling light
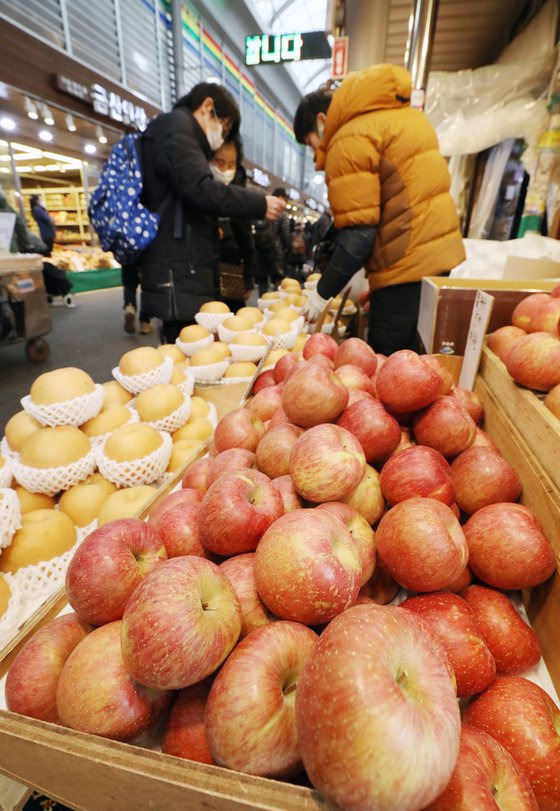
{"x":7,"y":124}
{"x":90,"y":149}
{"x":45,"y":135}
{"x":100,"y":135}
{"x":30,"y":108}
{"x":47,"y":116}
{"x":70,"y":122}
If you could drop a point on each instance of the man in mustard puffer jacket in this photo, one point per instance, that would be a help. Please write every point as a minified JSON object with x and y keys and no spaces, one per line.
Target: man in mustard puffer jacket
{"x":389,"y":194}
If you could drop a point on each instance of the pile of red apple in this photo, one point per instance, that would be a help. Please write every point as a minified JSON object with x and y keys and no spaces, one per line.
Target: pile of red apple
{"x":530,"y":347}
{"x":260,"y":592}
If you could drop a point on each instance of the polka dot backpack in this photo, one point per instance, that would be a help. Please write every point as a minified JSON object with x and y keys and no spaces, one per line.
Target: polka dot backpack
{"x":124,"y":226}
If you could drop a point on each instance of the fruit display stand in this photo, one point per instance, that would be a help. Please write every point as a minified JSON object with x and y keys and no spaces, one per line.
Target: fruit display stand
{"x":21,"y":284}
{"x":89,"y":772}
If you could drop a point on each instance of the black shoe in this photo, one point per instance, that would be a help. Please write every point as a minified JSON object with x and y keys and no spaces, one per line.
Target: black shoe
{"x":129,"y":319}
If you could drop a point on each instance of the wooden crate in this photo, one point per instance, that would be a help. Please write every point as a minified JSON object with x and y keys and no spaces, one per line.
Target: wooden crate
{"x":91,"y":773}
{"x":537,"y":425}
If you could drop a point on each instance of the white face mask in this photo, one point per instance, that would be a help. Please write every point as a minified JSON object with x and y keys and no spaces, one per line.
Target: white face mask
{"x":320,"y":129}
{"x":221,"y":175}
{"x":215,"y":134}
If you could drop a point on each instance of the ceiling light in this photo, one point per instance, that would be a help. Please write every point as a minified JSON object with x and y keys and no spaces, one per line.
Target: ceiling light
{"x":45,"y":135}
{"x":7,"y":123}
{"x":47,"y":116}
{"x":5,"y":170}
{"x":70,"y":123}
{"x":90,"y":149}
{"x":100,"y":135}
{"x":30,"y":108}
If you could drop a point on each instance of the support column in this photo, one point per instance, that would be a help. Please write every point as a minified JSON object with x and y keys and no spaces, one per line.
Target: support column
{"x":177,"y":32}
{"x":366,"y":26}
{"x":419,"y":47}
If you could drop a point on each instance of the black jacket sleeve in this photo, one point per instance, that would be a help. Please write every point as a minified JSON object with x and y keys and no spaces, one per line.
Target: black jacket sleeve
{"x":244,"y":237}
{"x":181,"y":162}
{"x":353,"y":246}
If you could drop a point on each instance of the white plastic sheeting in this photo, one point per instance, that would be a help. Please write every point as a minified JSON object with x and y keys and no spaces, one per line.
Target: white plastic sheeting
{"x":473,"y":110}
{"x":486,"y":258}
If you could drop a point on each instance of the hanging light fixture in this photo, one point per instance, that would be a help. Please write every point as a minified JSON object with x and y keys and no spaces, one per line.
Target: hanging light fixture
{"x":47,"y":116}
{"x":70,"y":122}
{"x":90,"y":149}
{"x":100,"y":135}
{"x":45,"y":135}
{"x":30,"y":108}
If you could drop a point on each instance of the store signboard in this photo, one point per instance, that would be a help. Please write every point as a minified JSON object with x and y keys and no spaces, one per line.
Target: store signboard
{"x":270,"y":49}
{"x":340,"y":57}
{"x":105,"y":102}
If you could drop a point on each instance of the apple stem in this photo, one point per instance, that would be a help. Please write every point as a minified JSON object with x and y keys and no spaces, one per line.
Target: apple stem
{"x":289,"y":689}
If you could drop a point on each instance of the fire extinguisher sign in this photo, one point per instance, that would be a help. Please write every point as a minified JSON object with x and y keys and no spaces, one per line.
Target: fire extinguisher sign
{"x":339,"y":57}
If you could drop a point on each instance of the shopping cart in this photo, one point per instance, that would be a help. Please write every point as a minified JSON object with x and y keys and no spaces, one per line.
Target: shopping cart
{"x":24,"y":312}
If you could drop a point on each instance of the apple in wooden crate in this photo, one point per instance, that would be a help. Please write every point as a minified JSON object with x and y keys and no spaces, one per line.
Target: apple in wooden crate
{"x":417,"y":471}
{"x":33,"y":675}
{"x":320,"y":344}
{"x":180,"y":624}
{"x":185,"y":734}
{"x":230,"y":461}
{"x":380,"y":588}
{"x":97,"y":694}
{"x":407,"y":382}
{"x":241,"y":572}
{"x":196,"y":475}
{"x":377,"y":716}
{"x":313,"y":395}
{"x":502,"y":340}
{"x":354,"y":378}
{"x":238,"y":429}
{"x":274,"y":449}
{"x":377,"y":431}
{"x":534,"y":361}
{"x":481,"y":476}
{"x":366,"y":497}
{"x":470,"y":401}
{"x":444,"y":425}
{"x":290,"y":497}
{"x":265,"y":402}
{"x":356,"y":352}
{"x":526,"y":721}
{"x":108,"y":565}
{"x":250,"y":716}
{"x":538,"y":312}
{"x":177,"y":526}
{"x":360,"y":530}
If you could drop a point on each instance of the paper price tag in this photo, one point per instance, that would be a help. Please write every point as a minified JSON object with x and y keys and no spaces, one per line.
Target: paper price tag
{"x":482,"y":309}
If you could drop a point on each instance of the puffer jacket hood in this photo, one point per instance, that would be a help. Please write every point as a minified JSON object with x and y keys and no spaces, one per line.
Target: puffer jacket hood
{"x":379,"y":87}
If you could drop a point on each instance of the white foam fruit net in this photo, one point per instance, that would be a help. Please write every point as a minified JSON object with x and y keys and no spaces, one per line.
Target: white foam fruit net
{"x":99,"y":440}
{"x":211,"y":372}
{"x":137,"y":383}
{"x":50,"y":480}
{"x":10,"y":516}
{"x":211,"y":321}
{"x":6,"y":472}
{"x":246,"y":352}
{"x":228,"y":381}
{"x":193,"y":346}
{"x":6,"y":451}
{"x":174,"y":420}
{"x":187,"y":386}
{"x":69,"y":412}
{"x":38,"y":581}
{"x":145,"y":470}
{"x":227,"y":335}
{"x":285,"y":341}
{"x":212,"y":416}
{"x":264,"y":303}
{"x":14,"y":614}
{"x":311,"y":285}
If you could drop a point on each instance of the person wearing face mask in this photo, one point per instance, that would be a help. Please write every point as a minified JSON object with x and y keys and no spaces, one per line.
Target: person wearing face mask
{"x":179,"y":270}
{"x":237,"y":249}
{"x":389,"y":194}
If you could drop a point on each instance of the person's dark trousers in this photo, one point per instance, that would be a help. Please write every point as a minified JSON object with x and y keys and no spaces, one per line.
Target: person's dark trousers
{"x":393,"y":316}
{"x":264,"y":268}
{"x":170,"y":330}
{"x":130,"y":282}
{"x":49,"y":243}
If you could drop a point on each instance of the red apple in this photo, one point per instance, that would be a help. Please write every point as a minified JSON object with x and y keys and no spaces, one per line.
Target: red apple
{"x":263,"y":380}
{"x":241,"y":572}
{"x":320,"y":360}
{"x":290,"y":498}
{"x":313,"y":395}
{"x":452,"y":620}
{"x":284,"y":364}
{"x":406,"y":441}
{"x":326,"y":463}
{"x":513,"y":644}
{"x":460,"y":582}
{"x":278,"y":418}
{"x":380,"y":588}
{"x":274,"y":449}
{"x":407,"y":382}
{"x":555,"y":292}
{"x":422,"y":544}
{"x":33,"y":676}
{"x":525,"y":720}
{"x":185,"y":735}
{"x":417,"y":471}
{"x":360,"y":530}
{"x":501,"y":341}
{"x":436,"y":362}
{"x":538,"y":312}
{"x":196,"y":475}
{"x":552,"y":401}
{"x":377,"y":431}
{"x":481,"y":476}
{"x":180,"y":624}
{"x":97,"y":694}
{"x":320,"y":344}
{"x":177,"y":529}
{"x":307,"y":567}
{"x":107,"y":567}
{"x":483,"y":440}
{"x":445,"y":425}
{"x":238,"y":429}
{"x":230,"y":461}
{"x":251,"y":716}
{"x":187,"y":496}
{"x":534,"y":361}
{"x":236,"y":510}
{"x":354,"y":395}
{"x":356,"y":352}
{"x":366,"y":498}
{"x":377,"y":717}
{"x":470,"y":401}
{"x":266,"y":402}
{"x":485,"y":778}
{"x":507,"y":547}
{"x":354,"y":378}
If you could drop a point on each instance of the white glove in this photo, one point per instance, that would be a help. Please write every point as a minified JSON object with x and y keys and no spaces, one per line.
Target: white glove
{"x":315,"y":305}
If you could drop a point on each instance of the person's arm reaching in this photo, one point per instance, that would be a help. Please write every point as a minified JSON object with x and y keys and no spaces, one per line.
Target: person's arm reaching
{"x":353,"y":246}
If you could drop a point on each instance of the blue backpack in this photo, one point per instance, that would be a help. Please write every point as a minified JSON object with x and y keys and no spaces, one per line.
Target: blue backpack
{"x":124,"y":226}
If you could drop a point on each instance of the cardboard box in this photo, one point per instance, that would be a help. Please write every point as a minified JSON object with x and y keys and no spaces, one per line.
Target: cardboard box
{"x":446,"y":307}
{"x":517,"y":267}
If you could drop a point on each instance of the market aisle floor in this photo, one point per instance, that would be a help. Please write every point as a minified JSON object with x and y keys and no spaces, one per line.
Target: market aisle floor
{"x":90,"y":336}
